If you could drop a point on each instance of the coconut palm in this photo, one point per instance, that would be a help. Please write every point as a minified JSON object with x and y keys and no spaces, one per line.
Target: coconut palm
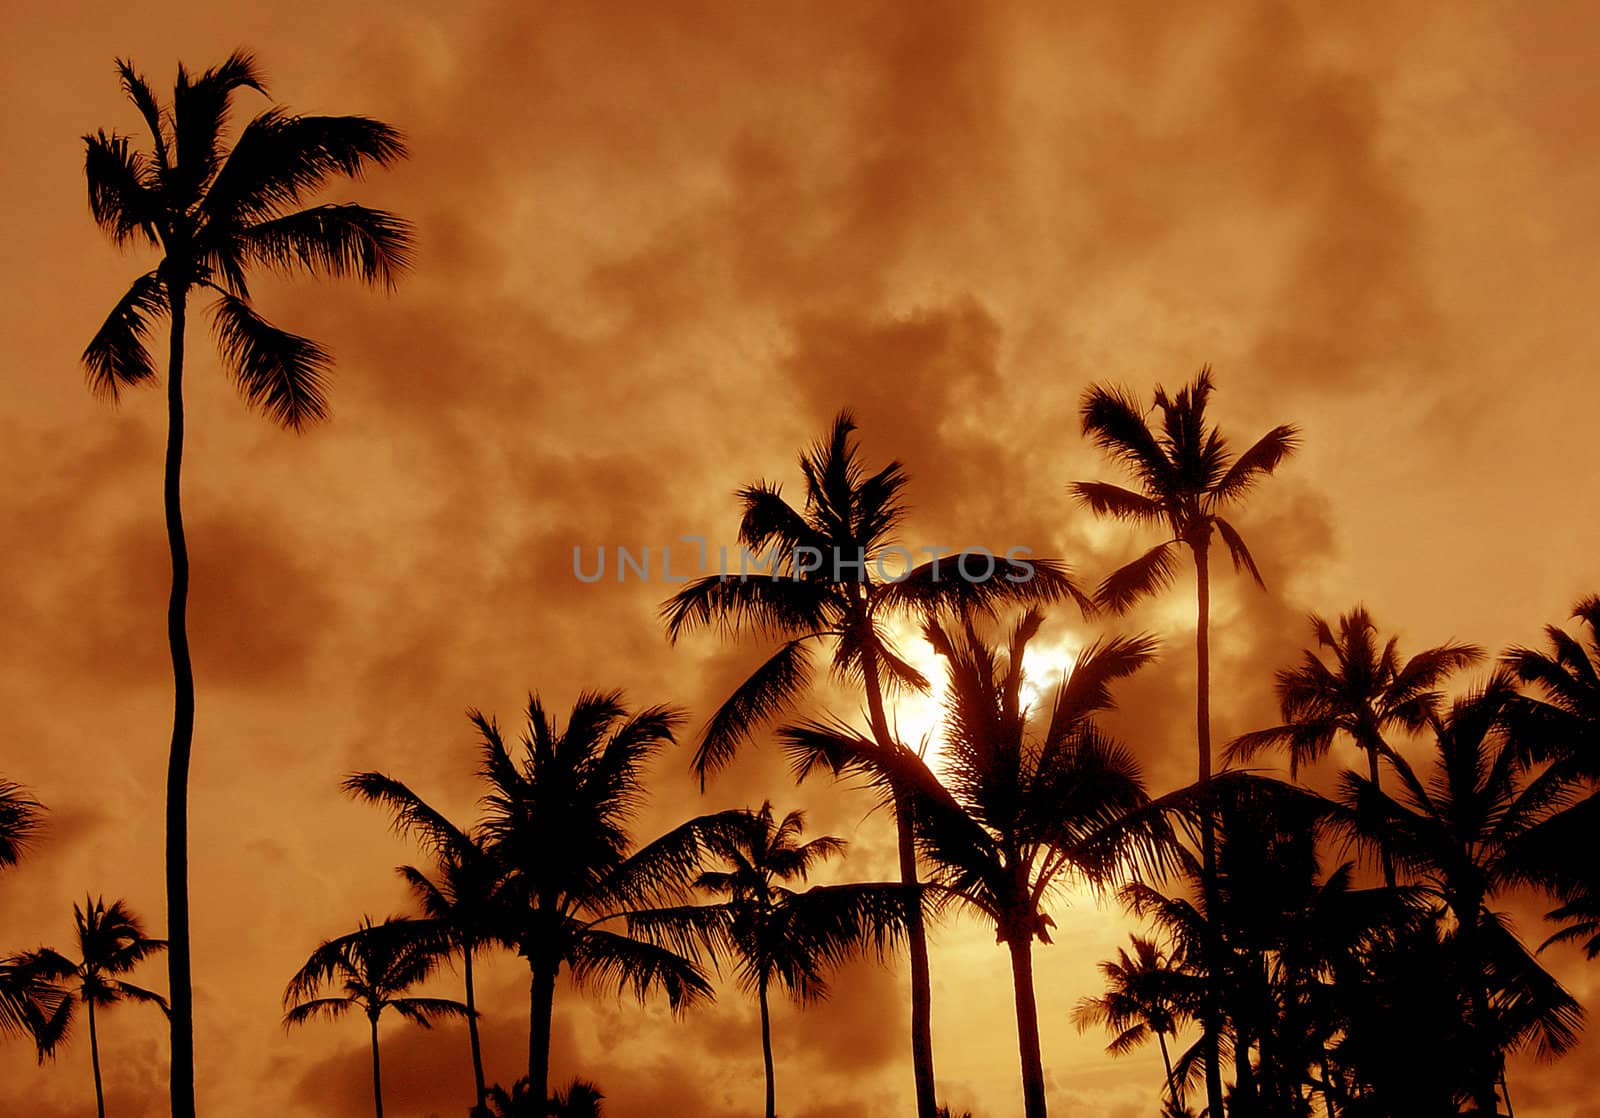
{"x":780,"y":938}
{"x":215,"y":214}
{"x":111,"y":943}
{"x":1364,"y":694}
{"x":372,"y":968}
{"x":1147,"y":994}
{"x":1020,"y":804}
{"x":1458,"y":832}
{"x":579,"y":1099}
{"x":556,"y":818}
{"x":20,"y":819}
{"x":461,"y":896}
{"x":1184,"y":475}
{"x":837,"y":577}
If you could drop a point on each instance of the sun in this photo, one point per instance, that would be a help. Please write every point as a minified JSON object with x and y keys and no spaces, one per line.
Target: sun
{"x":918,"y":719}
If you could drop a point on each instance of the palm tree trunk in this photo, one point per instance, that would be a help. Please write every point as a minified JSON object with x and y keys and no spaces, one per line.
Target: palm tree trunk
{"x":541,"y":1004}
{"x":377,"y":1070}
{"x":94,"y":1058}
{"x":1033,"y":1101}
{"x":1383,"y":845}
{"x":472,"y":1028}
{"x":1505,"y":1092}
{"x":766,"y":1050}
{"x":1166,"y":1062}
{"x":916,"y":926}
{"x":178,"y":978}
{"x":1208,"y":829}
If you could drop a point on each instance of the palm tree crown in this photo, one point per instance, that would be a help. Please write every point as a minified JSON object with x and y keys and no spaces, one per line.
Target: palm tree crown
{"x":1366,"y":692}
{"x":216,"y":214}
{"x":1147,"y":994}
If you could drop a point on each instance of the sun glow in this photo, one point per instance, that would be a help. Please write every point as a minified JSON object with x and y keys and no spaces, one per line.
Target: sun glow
{"x":918,"y":719}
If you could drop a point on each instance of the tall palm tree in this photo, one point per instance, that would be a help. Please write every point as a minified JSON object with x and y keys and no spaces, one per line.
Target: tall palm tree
{"x":373,"y":967}
{"x":557,"y":815}
{"x":1458,"y":833}
{"x":1366,"y":693}
{"x":779,"y":937}
{"x":1147,"y":994}
{"x":215,"y":214}
{"x":1184,"y":475}
{"x":836,"y":579}
{"x":461,"y":896}
{"x":1023,"y":803}
{"x":111,"y":943}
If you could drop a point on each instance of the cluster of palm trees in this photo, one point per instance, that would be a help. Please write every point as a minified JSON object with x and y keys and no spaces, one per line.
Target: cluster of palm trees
{"x":551,"y":871}
{"x":1309,"y":978}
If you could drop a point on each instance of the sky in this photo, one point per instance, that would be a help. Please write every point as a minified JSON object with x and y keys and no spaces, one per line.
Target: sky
{"x":660,"y":246}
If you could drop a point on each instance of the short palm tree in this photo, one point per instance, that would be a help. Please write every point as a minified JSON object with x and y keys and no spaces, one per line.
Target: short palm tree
{"x":20,"y":818}
{"x":1147,"y":994}
{"x":779,"y":938}
{"x":557,"y":814}
{"x":1458,"y":832}
{"x":1184,"y":475}
{"x":837,"y":577}
{"x":111,"y":943}
{"x":372,"y":968}
{"x":461,"y":895}
{"x":578,"y":1099}
{"x":1364,"y":694}
{"x":1023,"y":803}
{"x":215,"y":215}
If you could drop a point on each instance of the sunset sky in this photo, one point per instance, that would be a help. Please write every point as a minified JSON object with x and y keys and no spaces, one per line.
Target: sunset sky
{"x":660,"y":245}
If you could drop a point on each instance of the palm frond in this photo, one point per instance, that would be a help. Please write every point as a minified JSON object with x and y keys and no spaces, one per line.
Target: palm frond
{"x":283,"y":375}
{"x":1151,"y":572}
{"x":116,"y":357}
{"x":332,"y":240}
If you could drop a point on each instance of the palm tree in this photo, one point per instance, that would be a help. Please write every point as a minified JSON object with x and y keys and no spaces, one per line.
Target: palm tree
{"x":556,"y":818}
{"x":1020,"y":806}
{"x":1147,"y":994}
{"x":1458,"y":832}
{"x":20,"y":818}
{"x":579,"y":1099}
{"x":1184,"y":475}
{"x":779,"y":937}
{"x":111,"y":942}
{"x":821,"y":590}
{"x":461,"y":896}
{"x":1364,"y":694}
{"x":215,"y":214}
{"x":373,"y":967}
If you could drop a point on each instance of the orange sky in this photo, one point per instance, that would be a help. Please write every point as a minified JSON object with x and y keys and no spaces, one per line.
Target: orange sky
{"x":660,"y":244}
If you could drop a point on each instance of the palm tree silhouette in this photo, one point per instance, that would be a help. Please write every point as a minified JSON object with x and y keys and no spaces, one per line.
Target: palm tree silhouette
{"x":578,"y":1099}
{"x":1147,"y":994}
{"x":847,"y":527}
{"x":1185,"y":475}
{"x":1458,"y":833}
{"x":215,"y":215}
{"x":556,"y":819}
{"x":1364,"y":694}
{"x":20,"y":819}
{"x":111,"y":942}
{"x":780,"y":937}
{"x":461,"y":896}
{"x":1019,"y":807}
{"x":373,"y":966}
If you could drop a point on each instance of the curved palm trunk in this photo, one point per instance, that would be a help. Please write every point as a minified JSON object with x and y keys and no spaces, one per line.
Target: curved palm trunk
{"x":94,"y":1058}
{"x":1033,"y":1101}
{"x":472,"y":1029}
{"x":541,"y":1004}
{"x":1166,"y":1062}
{"x":766,"y":1050}
{"x":377,"y":1070}
{"x":916,"y":926}
{"x":178,"y":978}
{"x":1208,"y":829}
